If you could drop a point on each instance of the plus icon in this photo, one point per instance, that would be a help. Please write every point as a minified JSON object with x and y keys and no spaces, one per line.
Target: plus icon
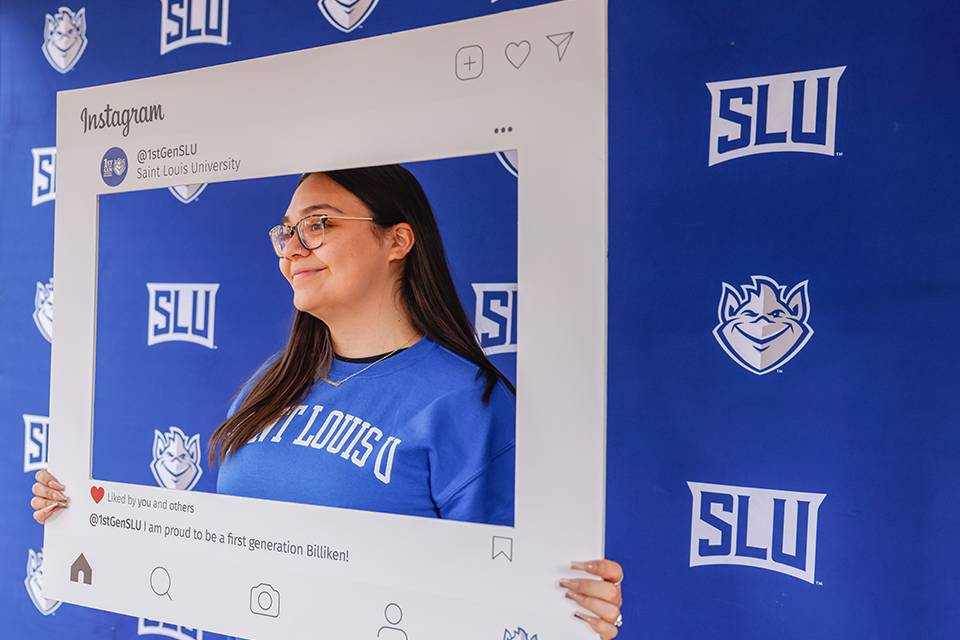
{"x":469,"y":63}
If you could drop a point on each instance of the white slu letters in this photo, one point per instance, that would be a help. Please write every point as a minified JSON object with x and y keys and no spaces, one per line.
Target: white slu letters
{"x":351,"y":437}
{"x":181,"y":312}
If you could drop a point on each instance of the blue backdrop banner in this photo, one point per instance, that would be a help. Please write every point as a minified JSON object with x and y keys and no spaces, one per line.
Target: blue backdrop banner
{"x":783,"y":237}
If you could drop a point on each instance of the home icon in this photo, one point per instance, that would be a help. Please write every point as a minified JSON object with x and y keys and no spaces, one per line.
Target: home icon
{"x":81,"y":566}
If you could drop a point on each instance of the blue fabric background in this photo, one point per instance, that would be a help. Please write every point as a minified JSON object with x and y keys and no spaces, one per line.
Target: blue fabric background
{"x":866,"y":413}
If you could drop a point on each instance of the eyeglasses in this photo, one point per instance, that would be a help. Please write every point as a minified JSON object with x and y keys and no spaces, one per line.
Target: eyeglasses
{"x":310,"y":230}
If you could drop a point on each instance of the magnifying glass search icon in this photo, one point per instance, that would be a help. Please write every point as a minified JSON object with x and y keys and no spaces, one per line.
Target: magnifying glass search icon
{"x":160,"y":582}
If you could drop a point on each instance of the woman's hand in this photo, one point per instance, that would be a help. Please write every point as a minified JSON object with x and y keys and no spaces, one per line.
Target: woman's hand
{"x":48,"y":496}
{"x":603,"y":597}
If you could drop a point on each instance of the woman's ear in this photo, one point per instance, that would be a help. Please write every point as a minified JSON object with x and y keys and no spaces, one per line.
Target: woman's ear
{"x":401,"y":239}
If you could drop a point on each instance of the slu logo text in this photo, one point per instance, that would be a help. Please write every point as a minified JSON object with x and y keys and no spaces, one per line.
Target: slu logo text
{"x":44,"y":175}
{"x":762,"y":325}
{"x":147,"y":627}
{"x":36,"y":435}
{"x":182,"y":312}
{"x":495,"y":316}
{"x":762,"y":528}
{"x":786,"y":112}
{"x":186,"y":22}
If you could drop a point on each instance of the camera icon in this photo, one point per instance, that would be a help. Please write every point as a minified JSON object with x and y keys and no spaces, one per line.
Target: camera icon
{"x":265,"y":600}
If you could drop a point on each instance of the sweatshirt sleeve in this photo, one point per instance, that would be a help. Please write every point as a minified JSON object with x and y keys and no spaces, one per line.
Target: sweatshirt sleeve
{"x":472,"y":454}
{"x":486,"y":498}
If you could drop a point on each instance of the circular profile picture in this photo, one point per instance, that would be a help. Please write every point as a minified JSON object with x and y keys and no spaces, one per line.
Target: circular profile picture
{"x":113,"y":166}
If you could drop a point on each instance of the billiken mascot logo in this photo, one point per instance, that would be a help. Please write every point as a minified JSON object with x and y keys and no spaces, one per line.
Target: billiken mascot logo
{"x":43,"y":309}
{"x":176,"y":459}
{"x":346,"y":15}
{"x":763,"y":325}
{"x":34,"y":583}
{"x":64,"y":38}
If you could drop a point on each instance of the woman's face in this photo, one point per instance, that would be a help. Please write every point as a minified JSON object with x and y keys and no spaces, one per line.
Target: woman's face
{"x":351,"y":268}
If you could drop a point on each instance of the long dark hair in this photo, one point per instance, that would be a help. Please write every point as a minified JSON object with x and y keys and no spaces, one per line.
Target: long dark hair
{"x":393,"y":195}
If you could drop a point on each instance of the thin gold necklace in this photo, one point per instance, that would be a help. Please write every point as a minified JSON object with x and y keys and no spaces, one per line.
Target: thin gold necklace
{"x":337,"y":383}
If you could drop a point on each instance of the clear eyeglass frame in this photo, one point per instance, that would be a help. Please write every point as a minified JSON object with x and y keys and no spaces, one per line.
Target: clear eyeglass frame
{"x":310,"y":239}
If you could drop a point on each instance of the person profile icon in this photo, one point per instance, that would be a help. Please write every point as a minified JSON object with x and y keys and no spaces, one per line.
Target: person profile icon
{"x":393,"y":613}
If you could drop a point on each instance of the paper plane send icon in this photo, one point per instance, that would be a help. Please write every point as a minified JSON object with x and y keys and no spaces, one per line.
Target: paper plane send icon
{"x":561,"y":41}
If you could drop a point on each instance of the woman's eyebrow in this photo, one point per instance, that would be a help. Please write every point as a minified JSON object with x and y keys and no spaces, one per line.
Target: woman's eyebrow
{"x":311,"y":208}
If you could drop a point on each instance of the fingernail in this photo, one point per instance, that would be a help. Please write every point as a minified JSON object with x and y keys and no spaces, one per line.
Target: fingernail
{"x":578,"y":565}
{"x":576,"y":597}
{"x":57,"y":485}
{"x":59,"y":496}
{"x":567,"y":584}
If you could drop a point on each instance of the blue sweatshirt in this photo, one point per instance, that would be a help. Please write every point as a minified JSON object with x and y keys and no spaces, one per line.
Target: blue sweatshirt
{"x":410,"y":435}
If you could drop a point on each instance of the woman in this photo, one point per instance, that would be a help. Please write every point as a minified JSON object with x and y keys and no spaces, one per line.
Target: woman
{"x":423,"y":427}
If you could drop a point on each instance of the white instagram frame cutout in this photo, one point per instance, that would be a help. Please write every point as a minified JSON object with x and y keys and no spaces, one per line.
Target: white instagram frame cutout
{"x":410,"y":105}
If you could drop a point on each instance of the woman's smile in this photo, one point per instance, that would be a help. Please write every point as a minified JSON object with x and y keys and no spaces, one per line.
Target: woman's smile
{"x":303,"y":273}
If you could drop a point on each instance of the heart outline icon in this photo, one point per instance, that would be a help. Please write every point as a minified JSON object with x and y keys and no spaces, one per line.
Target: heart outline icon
{"x":518,"y":52}
{"x":97,"y":494}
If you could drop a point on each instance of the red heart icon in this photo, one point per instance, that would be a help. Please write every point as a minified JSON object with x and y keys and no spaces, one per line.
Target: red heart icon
{"x":97,"y":494}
